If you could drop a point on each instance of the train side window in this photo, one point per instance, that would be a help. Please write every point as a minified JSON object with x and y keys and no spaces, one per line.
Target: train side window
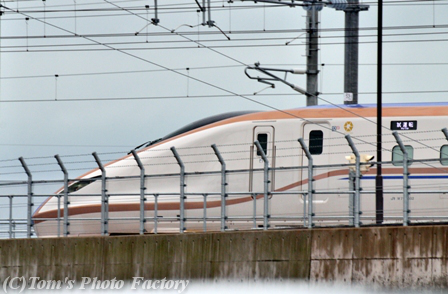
{"x":397,"y":155}
{"x":316,"y":142}
{"x":263,"y":140}
{"x":444,"y":155}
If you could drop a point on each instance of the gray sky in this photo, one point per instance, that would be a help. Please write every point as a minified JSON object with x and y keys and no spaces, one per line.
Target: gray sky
{"x":108,"y":100}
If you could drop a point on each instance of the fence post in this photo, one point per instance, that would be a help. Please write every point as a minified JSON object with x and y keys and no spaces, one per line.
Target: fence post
{"x":104,"y":197}
{"x":351,"y":201}
{"x":156,"y":203}
{"x":254,"y":209}
{"x":14,"y":230}
{"x":66,"y":203}
{"x":223,"y":187}
{"x":182,"y":188}
{"x":310,"y":183}
{"x":266,"y":181}
{"x":204,"y":217}
{"x":142,"y":191}
{"x":10,"y":216}
{"x":406,"y":186}
{"x":29,"y":223}
{"x":357,"y":197}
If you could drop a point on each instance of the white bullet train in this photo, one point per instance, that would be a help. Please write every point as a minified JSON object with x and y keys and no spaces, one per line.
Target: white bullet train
{"x":323,"y":129}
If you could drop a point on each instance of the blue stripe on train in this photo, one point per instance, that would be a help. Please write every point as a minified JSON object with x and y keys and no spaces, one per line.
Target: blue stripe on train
{"x":400,"y":177}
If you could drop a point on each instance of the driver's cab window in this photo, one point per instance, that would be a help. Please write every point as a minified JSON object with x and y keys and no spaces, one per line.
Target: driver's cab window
{"x":263,"y":140}
{"x":316,"y":142}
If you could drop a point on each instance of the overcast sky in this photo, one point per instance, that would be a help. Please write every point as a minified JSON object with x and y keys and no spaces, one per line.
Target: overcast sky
{"x":115,"y":90}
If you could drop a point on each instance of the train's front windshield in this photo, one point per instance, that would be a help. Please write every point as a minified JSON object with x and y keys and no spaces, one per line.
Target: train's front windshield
{"x":195,"y":125}
{"x":78,"y":185}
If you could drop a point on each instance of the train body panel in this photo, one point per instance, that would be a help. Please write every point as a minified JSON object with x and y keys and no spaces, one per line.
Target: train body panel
{"x":322,"y":128}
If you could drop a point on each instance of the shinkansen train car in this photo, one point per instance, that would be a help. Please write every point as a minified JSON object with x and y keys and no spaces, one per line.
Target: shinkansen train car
{"x":323,"y":129}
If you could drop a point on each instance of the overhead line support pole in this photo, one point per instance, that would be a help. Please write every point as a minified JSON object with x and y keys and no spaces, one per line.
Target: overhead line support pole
{"x":156,"y":19}
{"x":379,"y":198}
{"x":312,"y":57}
{"x":351,"y":58}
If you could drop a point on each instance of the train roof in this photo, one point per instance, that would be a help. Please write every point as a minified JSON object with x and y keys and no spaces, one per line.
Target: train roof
{"x":358,"y":110}
{"x":198,"y":124}
{"x":374,"y":105}
{"x":206,"y":121}
{"x":318,"y":111}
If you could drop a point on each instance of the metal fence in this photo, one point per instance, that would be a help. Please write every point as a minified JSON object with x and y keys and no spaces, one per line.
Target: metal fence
{"x":18,"y":227}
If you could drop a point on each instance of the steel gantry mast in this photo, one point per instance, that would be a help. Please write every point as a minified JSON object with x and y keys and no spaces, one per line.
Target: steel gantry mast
{"x":312,"y":53}
{"x":352,"y":9}
{"x":351,"y":51}
{"x":313,"y":7}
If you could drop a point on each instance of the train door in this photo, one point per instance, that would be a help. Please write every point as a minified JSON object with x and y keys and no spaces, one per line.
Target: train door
{"x":266,"y":136}
{"x":316,"y":136}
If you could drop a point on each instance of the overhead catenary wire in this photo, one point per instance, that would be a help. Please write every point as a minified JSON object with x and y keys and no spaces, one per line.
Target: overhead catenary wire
{"x":130,"y":54}
{"x":79,"y":99}
{"x":73,"y":47}
{"x":189,"y":39}
{"x":361,"y":117}
{"x":128,"y":162}
{"x":227,"y":66}
{"x":189,"y":6}
{"x":240,"y":32}
{"x":195,"y":47}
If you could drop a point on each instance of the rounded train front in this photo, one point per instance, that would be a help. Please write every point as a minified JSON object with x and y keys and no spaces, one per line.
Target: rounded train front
{"x":256,"y":175}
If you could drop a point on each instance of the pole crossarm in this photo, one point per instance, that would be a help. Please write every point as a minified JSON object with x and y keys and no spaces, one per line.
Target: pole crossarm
{"x":199,"y":5}
{"x":356,"y":8}
{"x":306,"y":4}
{"x":273,"y":77}
{"x":290,"y":4}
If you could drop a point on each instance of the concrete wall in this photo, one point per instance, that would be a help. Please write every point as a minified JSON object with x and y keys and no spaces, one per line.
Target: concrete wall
{"x":389,"y":256}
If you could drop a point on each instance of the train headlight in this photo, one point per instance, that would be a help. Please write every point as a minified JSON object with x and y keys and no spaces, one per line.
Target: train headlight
{"x":352,"y":160}
{"x":365,"y":162}
{"x":364,"y":159}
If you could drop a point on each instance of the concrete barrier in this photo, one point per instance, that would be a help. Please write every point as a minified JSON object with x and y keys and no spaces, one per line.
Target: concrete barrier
{"x":387,"y":256}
